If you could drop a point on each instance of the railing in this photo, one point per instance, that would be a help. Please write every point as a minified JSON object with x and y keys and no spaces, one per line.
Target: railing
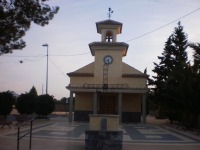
{"x":109,"y":86}
{"x":104,"y":87}
{"x":18,"y":126}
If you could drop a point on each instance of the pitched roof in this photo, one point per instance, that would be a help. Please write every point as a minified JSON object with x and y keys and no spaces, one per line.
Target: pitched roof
{"x":129,"y":71}
{"x":109,"y":21}
{"x":88,"y":70}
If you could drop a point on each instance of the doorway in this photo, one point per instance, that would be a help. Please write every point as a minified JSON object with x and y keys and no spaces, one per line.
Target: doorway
{"x":107,"y":104}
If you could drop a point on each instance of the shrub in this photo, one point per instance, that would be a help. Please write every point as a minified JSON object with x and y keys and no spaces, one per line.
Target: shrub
{"x":6,"y":102}
{"x":26,"y":103}
{"x":44,"y":105}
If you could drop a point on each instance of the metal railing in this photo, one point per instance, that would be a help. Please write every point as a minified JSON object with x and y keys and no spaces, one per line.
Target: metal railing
{"x":18,"y":126}
{"x":111,"y":86}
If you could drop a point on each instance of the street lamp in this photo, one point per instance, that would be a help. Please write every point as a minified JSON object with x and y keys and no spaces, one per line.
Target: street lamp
{"x":46,"y":45}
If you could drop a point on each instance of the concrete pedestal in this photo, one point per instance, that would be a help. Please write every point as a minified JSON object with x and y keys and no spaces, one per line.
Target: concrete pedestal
{"x":104,"y":133}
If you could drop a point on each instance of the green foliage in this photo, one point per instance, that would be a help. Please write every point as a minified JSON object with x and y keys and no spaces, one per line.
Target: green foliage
{"x":44,"y":105}
{"x":33,"y":91}
{"x":26,"y":103}
{"x":183,"y":96}
{"x":16,"y":17}
{"x":173,"y":55}
{"x":63,"y":100}
{"x":177,"y":83}
{"x":180,"y":44}
{"x":196,"y":55}
{"x":6,"y":102}
{"x":167,"y":62}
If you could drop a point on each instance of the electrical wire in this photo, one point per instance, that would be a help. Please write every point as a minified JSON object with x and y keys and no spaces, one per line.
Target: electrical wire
{"x":33,"y":60}
{"x":126,"y":41}
{"x":39,"y":55}
{"x":78,"y":54}
{"x":57,"y":67}
{"x":71,"y":54}
{"x":163,"y":25}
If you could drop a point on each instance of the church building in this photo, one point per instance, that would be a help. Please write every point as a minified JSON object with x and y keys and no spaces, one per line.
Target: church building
{"x":108,"y":85}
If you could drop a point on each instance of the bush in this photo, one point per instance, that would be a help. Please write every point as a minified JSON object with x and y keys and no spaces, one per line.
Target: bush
{"x":26,"y":103}
{"x":44,"y":105}
{"x":6,"y":102}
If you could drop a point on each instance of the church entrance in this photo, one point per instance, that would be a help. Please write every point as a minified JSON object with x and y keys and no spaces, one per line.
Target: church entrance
{"x":107,"y":104}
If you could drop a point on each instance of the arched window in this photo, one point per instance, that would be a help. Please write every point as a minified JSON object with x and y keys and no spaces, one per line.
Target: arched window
{"x":109,"y":37}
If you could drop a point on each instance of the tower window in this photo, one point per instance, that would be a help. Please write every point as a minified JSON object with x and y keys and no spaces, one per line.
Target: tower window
{"x":109,"y":37}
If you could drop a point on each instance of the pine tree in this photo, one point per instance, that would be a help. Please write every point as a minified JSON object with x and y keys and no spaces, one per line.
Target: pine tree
{"x":16,"y":17}
{"x":162,"y":71}
{"x":180,"y":43}
{"x":173,"y":59}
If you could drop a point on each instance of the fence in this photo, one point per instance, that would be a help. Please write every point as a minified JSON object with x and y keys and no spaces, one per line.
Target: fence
{"x":19,"y":125}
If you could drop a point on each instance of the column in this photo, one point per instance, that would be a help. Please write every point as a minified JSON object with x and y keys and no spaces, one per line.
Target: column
{"x":120,"y":107}
{"x":144,"y":108}
{"x":95,"y":103}
{"x":70,"y":106}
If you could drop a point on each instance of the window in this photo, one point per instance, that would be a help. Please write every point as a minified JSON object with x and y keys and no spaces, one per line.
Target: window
{"x":109,"y":37}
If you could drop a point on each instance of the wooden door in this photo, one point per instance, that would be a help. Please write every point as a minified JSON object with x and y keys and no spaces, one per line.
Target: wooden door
{"x":108,"y":104}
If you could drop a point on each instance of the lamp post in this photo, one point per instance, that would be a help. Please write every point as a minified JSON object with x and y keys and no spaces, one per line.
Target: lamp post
{"x":46,"y":45}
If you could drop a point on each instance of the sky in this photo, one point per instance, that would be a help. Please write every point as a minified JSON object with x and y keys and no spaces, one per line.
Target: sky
{"x":146,"y":26}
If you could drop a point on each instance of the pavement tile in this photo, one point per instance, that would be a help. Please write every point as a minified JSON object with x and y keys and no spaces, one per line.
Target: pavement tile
{"x":58,"y":134}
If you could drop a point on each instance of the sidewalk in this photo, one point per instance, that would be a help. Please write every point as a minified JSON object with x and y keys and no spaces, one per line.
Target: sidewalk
{"x":58,"y":134}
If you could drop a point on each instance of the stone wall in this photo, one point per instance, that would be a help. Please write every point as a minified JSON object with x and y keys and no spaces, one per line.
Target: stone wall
{"x":103,"y":140}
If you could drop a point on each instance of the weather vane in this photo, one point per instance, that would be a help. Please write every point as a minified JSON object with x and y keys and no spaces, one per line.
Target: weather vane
{"x":110,"y":11}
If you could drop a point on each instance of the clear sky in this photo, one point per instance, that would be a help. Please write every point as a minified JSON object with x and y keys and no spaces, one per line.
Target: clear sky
{"x":73,"y":28}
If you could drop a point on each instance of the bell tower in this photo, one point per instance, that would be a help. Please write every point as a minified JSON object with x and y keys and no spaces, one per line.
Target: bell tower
{"x":108,"y":50}
{"x":109,"y":30}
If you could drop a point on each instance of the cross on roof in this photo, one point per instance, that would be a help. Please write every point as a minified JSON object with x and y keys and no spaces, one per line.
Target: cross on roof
{"x":110,"y":11}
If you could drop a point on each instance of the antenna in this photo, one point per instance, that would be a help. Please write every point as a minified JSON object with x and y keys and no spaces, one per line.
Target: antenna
{"x":110,"y":11}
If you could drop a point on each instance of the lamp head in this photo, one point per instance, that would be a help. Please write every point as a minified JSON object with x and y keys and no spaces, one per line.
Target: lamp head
{"x":45,"y":44}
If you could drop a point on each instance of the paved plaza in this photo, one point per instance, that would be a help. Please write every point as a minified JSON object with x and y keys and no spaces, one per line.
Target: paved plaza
{"x":58,"y":134}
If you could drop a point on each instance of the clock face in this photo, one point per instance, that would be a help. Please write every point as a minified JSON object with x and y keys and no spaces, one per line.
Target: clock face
{"x":108,"y":59}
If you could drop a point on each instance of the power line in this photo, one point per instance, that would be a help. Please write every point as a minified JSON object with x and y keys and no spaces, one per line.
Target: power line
{"x":57,"y":67}
{"x":78,"y":54}
{"x":163,"y":25}
{"x":71,"y":54}
{"x":22,"y":60}
{"x":39,"y":55}
{"x":33,"y":60}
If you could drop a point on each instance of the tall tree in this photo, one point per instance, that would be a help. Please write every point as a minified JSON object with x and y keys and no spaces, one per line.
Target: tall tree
{"x":16,"y":17}
{"x":174,"y":57}
{"x":180,"y":43}
{"x":162,"y":70}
